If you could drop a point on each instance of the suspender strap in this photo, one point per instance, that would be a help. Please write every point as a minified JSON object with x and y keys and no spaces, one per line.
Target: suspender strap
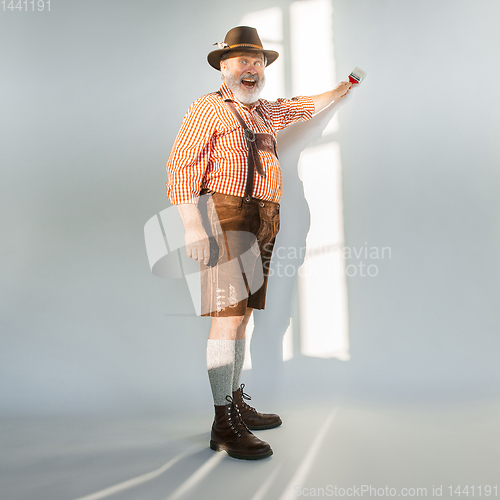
{"x":255,"y":142}
{"x":253,"y":153}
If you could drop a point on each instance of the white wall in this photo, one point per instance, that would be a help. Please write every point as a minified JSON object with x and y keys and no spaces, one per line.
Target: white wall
{"x":92,"y":96}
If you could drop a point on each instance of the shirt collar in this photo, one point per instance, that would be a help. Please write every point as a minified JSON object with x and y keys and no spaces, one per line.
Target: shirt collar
{"x":227,"y":93}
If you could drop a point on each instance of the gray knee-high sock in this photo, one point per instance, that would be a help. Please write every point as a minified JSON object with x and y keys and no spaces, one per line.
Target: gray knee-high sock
{"x":220,"y":364}
{"x":239,"y":358}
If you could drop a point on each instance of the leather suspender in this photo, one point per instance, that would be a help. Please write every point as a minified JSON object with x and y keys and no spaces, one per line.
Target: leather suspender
{"x":253,"y":153}
{"x":253,"y":162}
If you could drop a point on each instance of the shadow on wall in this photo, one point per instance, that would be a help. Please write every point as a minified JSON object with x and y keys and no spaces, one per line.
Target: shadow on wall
{"x":272,"y":323}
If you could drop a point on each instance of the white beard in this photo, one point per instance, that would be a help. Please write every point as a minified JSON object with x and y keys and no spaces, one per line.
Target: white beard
{"x":243,"y":95}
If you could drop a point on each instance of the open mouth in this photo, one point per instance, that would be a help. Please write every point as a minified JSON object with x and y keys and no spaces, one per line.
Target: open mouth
{"x":249,"y":84}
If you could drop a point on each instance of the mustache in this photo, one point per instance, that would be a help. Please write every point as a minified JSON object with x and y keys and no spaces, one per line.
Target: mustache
{"x":249,"y":76}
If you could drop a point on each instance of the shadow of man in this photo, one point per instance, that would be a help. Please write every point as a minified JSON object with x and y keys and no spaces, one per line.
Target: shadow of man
{"x":272,"y":322}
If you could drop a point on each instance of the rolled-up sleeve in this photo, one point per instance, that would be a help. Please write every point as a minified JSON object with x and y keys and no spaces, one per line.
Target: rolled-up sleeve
{"x":284,"y":112}
{"x":190,"y":154}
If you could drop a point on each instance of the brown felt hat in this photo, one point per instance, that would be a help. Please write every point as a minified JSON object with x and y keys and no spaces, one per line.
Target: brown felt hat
{"x":241,"y":38}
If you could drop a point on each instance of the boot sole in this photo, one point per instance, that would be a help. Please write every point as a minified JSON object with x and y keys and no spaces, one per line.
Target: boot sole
{"x":217,"y":447}
{"x":262,"y":427}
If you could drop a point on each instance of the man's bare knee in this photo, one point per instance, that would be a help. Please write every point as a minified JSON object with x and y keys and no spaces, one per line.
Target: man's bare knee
{"x":229,"y":321}
{"x":225,"y":327}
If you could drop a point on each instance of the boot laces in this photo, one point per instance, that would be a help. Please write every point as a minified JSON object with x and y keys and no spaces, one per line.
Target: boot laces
{"x":235,"y":416}
{"x":248,"y":398}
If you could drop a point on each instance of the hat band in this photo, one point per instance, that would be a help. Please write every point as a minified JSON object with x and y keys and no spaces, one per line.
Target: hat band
{"x":246,"y":45}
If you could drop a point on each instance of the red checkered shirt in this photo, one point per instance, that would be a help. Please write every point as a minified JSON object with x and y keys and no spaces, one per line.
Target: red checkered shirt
{"x":210,"y":149}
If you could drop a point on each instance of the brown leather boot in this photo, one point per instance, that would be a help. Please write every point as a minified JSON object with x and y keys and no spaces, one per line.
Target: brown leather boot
{"x":230,"y":433}
{"x":253,"y":419}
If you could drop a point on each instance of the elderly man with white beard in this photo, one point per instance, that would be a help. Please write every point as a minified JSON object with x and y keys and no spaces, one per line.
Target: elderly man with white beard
{"x":225,"y":178}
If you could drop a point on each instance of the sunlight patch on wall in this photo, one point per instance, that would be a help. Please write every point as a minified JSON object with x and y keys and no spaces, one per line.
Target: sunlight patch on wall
{"x":322,"y":282}
{"x":312,"y":50}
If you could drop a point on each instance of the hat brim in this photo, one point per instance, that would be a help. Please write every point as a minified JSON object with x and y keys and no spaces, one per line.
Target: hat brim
{"x":215,"y":56}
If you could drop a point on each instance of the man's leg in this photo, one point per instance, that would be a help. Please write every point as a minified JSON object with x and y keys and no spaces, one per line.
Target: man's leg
{"x":228,"y":430}
{"x":239,"y":349}
{"x":226,"y":354}
{"x":226,"y":330}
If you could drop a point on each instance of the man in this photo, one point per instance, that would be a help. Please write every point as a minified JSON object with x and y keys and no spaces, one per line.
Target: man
{"x":226,"y":182}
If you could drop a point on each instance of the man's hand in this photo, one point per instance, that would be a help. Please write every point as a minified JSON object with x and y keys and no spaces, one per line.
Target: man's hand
{"x":341,"y":90}
{"x":195,"y":238}
{"x":197,"y":244}
{"x":321,"y":101}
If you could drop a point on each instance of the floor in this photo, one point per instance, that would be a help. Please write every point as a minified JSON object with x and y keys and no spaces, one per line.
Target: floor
{"x":337,"y":449}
